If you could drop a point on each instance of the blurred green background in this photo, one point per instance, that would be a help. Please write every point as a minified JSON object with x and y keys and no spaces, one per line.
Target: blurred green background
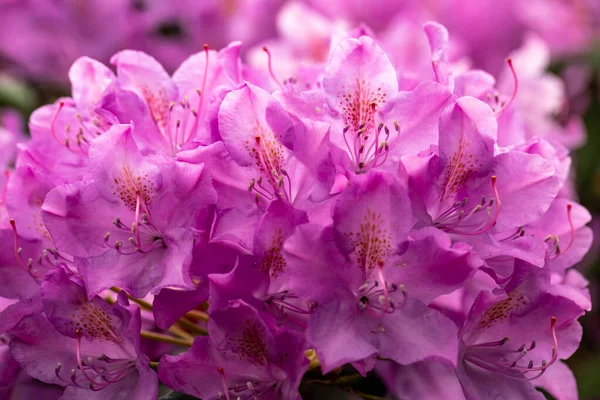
{"x":586,"y":361}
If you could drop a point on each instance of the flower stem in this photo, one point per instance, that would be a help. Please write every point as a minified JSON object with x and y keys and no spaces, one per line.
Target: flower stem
{"x":192,"y":327}
{"x":197,"y":314}
{"x":144,"y":305}
{"x":179,"y":332}
{"x":159,"y":337}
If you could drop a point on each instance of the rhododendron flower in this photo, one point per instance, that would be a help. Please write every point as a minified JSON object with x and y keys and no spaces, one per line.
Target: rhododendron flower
{"x":139,"y":217}
{"x":243,"y":356}
{"x":87,"y":346}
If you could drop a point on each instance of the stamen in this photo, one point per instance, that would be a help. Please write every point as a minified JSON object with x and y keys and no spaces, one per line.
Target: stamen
{"x":78,"y":355}
{"x":200,"y":96}
{"x":269,"y":58}
{"x":18,"y":250}
{"x":224,"y":382}
{"x":289,"y":183}
{"x":477,"y":356}
{"x":452,"y":219}
{"x":61,"y":104}
{"x":560,"y":252}
{"x":516,"y":88}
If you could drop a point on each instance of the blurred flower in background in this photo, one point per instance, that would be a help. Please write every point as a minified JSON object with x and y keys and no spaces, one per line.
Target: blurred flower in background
{"x":546,"y":101}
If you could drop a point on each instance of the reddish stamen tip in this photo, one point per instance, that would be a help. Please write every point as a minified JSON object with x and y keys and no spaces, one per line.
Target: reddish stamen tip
{"x":495,"y":189}
{"x":569,"y":208}
{"x":572,"y":236}
{"x":269,"y":59}
{"x":61,"y":104}
{"x":16,"y":245}
{"x":516,"y":87}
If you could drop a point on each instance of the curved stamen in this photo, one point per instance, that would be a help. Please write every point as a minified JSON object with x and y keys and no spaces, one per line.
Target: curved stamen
{"x":269,"y":60}
{"x":558,"y":252}
{"x":61,"y":104}
{"x":279,"y":301}
{"x":78,"y":354}
{"x":520,"y":232}
{"x":516,"y":88}
{"x":476,"y":354}
{"x":454,"y":219}
{"x":18,"y":250}
{"x":289,"y":184}
{"x":200,"y":96}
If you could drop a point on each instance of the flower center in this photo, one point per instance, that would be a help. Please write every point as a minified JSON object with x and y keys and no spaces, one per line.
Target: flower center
{"x":508,"y":361}
{"x":177,"y":122}
{"x":269,"y":157}
{"x":77,"y":138}
{"x":248,"y":390}
{"x":476,"y":220}
{"x":95,"y":373}
{"x":136,"y":192}
{"x":362,"y":135}
{"x":283,"y":303}
{"x":374,"y":297}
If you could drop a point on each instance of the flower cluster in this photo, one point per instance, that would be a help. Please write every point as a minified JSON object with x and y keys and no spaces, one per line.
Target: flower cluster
{"x":233,"y":230}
